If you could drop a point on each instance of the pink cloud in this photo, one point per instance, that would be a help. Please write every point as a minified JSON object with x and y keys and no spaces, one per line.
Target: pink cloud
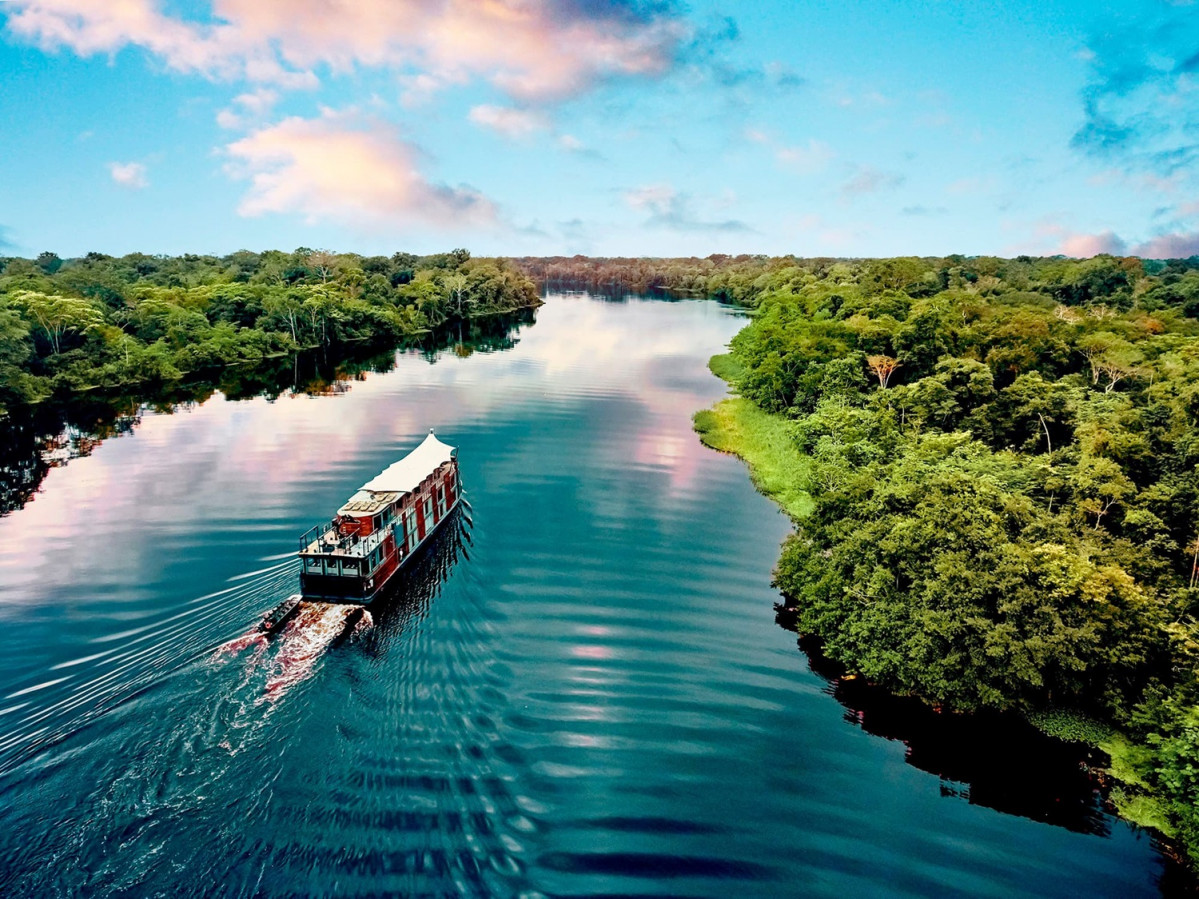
{"x":535,"y":50}
{"x":1084,"y":246}
{"x":1170,"y":246}
{"x":1179,"y":245}
{"x":254,"y":106}
{"x":1187,"y":210}
{"x":342,"y":168}
{"x":220,"y":50}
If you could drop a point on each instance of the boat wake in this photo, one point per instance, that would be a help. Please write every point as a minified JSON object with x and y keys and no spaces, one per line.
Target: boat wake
{"x":290,"y":646}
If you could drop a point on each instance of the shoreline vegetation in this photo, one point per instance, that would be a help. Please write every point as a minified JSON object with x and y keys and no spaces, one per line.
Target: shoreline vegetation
{"x":761,"y":439}
{"x":141,"y":323}
{"x":1001,"y":462}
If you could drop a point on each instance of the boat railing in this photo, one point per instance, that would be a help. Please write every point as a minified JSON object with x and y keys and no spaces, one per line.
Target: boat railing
{"x":330,"y":542}
{"x":311,"y":535}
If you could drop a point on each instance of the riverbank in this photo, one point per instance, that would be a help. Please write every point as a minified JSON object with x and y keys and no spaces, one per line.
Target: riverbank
{"x":736,"y":425}
{"x":765,"y":442}
{"x":135,"y":323}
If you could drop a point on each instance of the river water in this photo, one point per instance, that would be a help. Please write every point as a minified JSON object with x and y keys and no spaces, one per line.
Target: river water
{"x":581,"y":690}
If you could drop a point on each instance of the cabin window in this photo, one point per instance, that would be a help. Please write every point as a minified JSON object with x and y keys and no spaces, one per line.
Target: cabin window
{"x":377,"y":522}
{"x":349,"y":566}
{"x":314,"y":566}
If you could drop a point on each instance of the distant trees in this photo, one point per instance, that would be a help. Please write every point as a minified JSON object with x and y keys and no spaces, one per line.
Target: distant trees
{"x":102,"y":321}
{"x":48,"y":262}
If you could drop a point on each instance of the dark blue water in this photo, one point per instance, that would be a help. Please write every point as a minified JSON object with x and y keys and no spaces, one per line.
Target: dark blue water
{"x":585,"y":693}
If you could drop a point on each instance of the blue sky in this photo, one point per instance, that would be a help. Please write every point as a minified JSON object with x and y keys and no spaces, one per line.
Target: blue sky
{"x":605,"y":127}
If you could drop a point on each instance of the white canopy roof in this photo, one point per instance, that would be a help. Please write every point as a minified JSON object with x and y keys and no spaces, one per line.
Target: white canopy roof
{"x":405,"y":476}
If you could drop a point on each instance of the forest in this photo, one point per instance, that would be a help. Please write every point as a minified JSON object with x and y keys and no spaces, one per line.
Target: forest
{"x":1002,"y":460}
{"x":135,"y":323}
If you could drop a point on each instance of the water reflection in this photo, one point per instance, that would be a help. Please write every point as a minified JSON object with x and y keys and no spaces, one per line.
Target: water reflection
{"x":53,"y":434}
{"x":996,"y":761}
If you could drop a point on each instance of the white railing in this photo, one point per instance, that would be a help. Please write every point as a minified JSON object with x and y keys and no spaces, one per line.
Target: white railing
{"x":353,"y":546}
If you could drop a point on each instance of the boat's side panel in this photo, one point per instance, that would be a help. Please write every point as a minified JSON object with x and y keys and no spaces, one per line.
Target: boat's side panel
{"x":381,"y":582}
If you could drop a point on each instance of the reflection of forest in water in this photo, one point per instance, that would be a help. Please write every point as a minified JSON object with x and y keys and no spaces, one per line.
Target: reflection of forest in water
{"x":55,"y":432}
{"x":615,"y":290}
{"x":996,"y":761}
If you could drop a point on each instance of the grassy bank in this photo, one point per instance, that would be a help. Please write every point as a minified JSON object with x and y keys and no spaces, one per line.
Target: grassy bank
{"x":763,"y":440}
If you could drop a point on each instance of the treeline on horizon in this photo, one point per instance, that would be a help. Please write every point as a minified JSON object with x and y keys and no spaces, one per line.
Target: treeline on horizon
{"x":743,"y":278}
{"x":1004,"y":461}
{"x":137,"y":322}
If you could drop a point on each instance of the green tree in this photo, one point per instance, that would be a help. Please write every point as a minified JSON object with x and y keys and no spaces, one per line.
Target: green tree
{"x":57,"y":316}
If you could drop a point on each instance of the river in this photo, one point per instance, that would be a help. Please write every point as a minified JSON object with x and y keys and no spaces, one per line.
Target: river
{"x":582,"y":691}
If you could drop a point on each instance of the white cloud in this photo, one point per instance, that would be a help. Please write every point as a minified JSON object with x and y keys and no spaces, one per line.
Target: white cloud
{"x":672,"y":209}
{"x":341,"y":167}
{"x":229,"y":120}
{"x":254,"y":106}
{"x":510,"y":122}
{"x":129,"y":174}
{"x":868,"y":180}
{"x":806,"y":158}
{"x":258,"y":102}
{"x":963,"y":187}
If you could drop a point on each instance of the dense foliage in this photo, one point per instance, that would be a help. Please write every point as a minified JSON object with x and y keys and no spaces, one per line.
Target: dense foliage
{"x":1004,"y":463}
{"x":106,"y":322}
{"x":736,"y":279}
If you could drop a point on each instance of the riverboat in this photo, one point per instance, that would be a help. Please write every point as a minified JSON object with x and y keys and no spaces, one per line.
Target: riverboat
{"x":353,"y":557}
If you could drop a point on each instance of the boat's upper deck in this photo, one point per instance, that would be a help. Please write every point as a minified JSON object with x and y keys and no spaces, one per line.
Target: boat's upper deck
{"x":363,"y":522}
{"x":366,"y":503}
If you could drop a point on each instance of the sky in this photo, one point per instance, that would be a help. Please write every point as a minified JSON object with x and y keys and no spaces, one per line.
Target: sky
{"x":601,"y":127}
